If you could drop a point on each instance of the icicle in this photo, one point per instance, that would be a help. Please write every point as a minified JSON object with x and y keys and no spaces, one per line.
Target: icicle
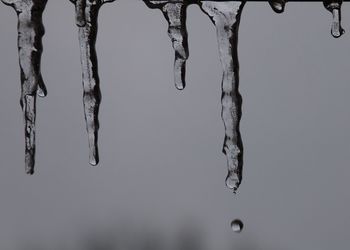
{"x":278,"y":5}
{"x":226,"y":18}
{"x":175,"y":13}
{"x":86,"y":19}
{"x":30,"y":33}
{"x":334,"y":6}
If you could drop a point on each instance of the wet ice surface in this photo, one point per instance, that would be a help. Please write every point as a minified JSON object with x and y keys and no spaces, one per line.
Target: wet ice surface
{"x":226,"y":18}
{"x":225,"y":15}
{"x":175,"y":14}
{"x":334,"y":6}
{"x":30,"y":33}
{"x":86,"y":19}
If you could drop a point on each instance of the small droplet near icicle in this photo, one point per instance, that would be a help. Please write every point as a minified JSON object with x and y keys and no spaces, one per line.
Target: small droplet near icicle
{"x":237,"y":226}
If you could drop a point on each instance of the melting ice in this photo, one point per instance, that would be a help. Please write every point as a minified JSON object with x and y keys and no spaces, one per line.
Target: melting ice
{"x":86,"y":19}
{"x":30,"y":33}
{"x":225,"y":15}
{"x":175,"y":13}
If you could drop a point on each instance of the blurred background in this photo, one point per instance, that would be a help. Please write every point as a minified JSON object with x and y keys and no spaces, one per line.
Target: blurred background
{"x":160,"y":182}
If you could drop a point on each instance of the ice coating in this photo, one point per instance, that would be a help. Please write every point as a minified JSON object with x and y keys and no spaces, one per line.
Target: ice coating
{"x":80,"y":12}
{"x":80,"y":9}
{"x":86,"y":19}
{"x":175,"y":13}
{"x":334,"y":6}
{"x":30,"y":33}
{"x":226,"y":18}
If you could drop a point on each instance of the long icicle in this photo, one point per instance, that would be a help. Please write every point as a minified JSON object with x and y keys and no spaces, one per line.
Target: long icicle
{"x":86,"y":20}
{"x":175,"y":13}
{"x":30,"y":33}
{"x":226,"y":18}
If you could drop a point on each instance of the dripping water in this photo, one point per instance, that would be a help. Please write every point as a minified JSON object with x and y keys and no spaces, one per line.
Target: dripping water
{"x":237,"y":225}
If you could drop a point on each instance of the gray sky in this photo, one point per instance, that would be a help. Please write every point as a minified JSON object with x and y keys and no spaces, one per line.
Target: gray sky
{"x":161,"y":166}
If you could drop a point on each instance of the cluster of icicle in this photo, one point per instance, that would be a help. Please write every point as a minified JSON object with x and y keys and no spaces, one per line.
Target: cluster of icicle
{"x":225,"y":15}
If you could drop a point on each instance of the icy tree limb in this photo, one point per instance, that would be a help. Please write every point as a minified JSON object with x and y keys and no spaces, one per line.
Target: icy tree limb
{"x":90,"y":78}
{"x":226,"y":18}
{"x":175,"y":13}
{"x":30,"y":33}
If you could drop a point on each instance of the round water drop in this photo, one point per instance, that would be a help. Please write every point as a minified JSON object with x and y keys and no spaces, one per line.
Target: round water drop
{"x":237,"y":225}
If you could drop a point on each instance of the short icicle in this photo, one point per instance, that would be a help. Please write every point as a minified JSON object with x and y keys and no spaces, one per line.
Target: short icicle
{"x":30,"y":33}
{"x":86,"y":20}
{"x":334,"y":6}
{"x":226,"y":18}
{"x":175,"y":13}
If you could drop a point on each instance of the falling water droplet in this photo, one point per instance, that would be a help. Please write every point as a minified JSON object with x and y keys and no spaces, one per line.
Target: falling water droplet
{"x":237,"y":225}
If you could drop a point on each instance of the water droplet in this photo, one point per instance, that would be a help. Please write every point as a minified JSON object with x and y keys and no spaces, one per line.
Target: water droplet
{"x":237,"y":225}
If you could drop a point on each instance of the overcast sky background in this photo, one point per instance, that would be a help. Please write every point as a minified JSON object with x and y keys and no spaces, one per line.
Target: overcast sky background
{"x":161,"y":175}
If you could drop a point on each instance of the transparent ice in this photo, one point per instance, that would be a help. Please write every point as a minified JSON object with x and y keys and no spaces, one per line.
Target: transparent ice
{"x":226,"y":18}
{"x":86,"y":19}
{"x":175,"y":13}
{"x":334,"y":6}
{"x":225,"y":15}
{"x":30,"y":33}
